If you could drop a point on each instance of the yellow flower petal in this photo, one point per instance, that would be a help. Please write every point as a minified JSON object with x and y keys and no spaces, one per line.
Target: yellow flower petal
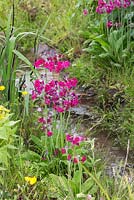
{"x":27,"y":179}
{"x":31,"y":180}
{"x":24,"y":93}
{"x":2,"y":87}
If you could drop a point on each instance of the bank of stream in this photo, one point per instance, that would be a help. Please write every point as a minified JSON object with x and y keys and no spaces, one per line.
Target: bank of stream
{"x":87,"y":120}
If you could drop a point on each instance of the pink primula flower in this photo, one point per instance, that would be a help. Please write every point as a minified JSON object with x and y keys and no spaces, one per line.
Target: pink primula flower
{"x":69,"y":157}
{"x":41,"y":120}
{"x":77,"y":140}
{"x":109,"y":24}
{"x":117,"y":3}
{"x":58,"y":109}
{"x":85,"y":12}
{"x":74,"y":102}
{"x":69,"y":138}
{"x":47,"y":101}
{"x":71,"y":83}
{"x":49,"y":133}
{"x":53,"y":64}
{"x":63,"y":150}
{"x":59,"y":94}
{"x":34,"y":95}
{"x":39,"y":85}
{"x":39,"y":63}
{"x":83,"y":159}
{"x":56,"y":152}
{"x":109,"y":6}
{"x":75,"y":160}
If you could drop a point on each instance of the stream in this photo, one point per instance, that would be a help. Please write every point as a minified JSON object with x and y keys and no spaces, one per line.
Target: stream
{"x":118,"y":161}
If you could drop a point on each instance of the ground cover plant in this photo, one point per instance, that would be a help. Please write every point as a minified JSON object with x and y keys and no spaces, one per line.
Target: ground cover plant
{"x":44,"y":155}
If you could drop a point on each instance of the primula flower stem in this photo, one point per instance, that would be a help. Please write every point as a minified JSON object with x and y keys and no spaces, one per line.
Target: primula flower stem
{"x":81,"y":177}
{"x":46,"y":138}
{"x":74,"y":167}
{"x":67,"y":120}
{"x":61,"y":130}
{"x":52,"y":143}
{"x":57,"y":138}
{"x":69,"y":170}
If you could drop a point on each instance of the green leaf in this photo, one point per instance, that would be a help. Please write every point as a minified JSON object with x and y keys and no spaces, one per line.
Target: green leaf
{"x":104,"y":55}
{"x":9,"y":146}
{"x":73,"y":187}
{"x":3,"y":134}
{"x":31,"y":155}
{"x":60,"y":183}
{"x":11,"y":123}
{"x":25,"y":60}
{"x":4,"y":156}
{"x":1,"y":180}
{"x":87,"y":185}
{"x":42,"y":164}
{"x":3,"y":169}
{"x":37,"y":141}
{"x":77,"y":177}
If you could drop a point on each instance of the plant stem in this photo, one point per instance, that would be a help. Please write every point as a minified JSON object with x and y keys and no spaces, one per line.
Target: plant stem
{"x":97,"y":182}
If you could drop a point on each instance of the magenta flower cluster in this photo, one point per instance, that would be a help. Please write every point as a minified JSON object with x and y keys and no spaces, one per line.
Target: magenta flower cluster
{"x":38,"y":86}
{"x":108,"y":7}
{"x":110,"y":24}
{"x":53,"y":64}
{"x":45,"y":122}
{"x":76,"y":159}
{"x":59,"y":94}
{"x":73,"y":140}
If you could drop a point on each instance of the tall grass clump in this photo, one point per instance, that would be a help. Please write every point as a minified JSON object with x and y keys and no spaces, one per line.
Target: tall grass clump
{"x":10,"y":65}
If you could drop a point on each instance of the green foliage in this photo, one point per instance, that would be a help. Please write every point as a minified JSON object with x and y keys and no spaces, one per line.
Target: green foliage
{"x":47,"y":156}
{"x":110,"y":51}
{"x":112,"y":47}
{"x":84,"y":71}
{"x":9,"y":63}
{"x":119,"y":188}
{"x":115,"y":103}
{"x":74,"y":188}
{"x":62,"y":24}
{"x":7,"y":139}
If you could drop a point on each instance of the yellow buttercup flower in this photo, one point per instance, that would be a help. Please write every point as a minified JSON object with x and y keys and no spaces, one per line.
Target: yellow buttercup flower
{"x":2,"y":87}
{"x":31,"y":180}
{"x":24,"y":93}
